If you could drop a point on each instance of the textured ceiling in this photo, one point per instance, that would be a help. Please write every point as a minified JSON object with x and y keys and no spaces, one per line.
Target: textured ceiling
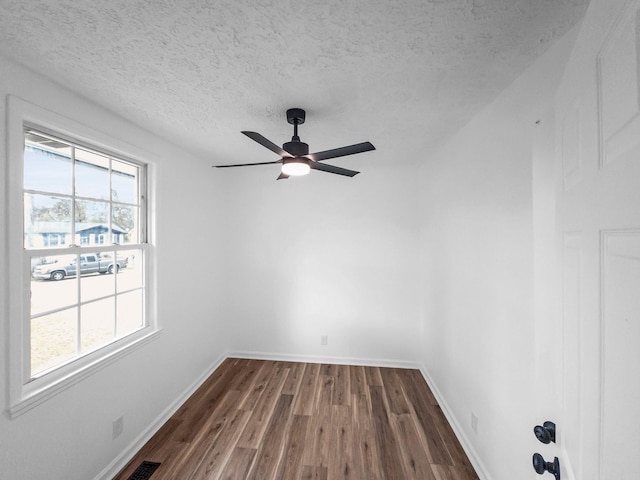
{"x":402,"y":74}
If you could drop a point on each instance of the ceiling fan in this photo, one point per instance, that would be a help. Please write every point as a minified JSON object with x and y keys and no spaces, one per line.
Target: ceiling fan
{"x":294,"y":155}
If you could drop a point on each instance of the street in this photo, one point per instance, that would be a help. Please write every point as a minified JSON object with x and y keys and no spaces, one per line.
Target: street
{"x":48,"y":295}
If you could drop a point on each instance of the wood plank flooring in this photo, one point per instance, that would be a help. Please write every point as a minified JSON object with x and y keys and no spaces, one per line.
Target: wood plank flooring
{"x":255,"y":419}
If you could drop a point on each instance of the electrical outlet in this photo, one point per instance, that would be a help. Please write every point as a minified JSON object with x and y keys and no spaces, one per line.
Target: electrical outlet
{"x":118,"y":427}
{"x":324,"y":339}
{"x":474,"y":423}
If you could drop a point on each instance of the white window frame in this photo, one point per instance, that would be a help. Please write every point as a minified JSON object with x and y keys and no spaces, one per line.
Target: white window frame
{"x":26,"y":393}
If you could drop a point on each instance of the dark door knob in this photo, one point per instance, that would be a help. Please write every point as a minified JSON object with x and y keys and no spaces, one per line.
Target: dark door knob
{"x":546,"y":432}
{"x":541,"y":466}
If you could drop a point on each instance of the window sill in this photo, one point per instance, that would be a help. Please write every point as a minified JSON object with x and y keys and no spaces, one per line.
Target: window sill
{"x":42,"y":389}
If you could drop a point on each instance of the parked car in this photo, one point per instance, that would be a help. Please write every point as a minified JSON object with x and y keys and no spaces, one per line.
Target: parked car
{"x":66,"y":266}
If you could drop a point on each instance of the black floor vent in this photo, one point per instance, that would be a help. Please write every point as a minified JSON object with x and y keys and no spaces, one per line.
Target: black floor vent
{"x":144,"y":471}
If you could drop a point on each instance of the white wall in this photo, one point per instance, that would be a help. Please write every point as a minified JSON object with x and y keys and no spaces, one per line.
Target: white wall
{"x":325,"y":254}
{"x":484,"y":254}
{"x":69,"y":436}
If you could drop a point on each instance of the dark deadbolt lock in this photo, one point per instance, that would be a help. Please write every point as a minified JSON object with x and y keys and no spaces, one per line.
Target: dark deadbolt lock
{"x":546,"y":433}
{"x":540,"y":466}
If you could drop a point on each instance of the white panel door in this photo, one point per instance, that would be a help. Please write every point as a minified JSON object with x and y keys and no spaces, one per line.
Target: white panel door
{"x":598,"y":180}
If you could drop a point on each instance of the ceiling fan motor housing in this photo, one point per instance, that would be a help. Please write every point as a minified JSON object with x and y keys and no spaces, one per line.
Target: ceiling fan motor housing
{"x":297,"y":149}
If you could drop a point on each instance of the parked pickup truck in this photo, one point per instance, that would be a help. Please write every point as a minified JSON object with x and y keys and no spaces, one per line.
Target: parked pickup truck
{"x":66,"y":266}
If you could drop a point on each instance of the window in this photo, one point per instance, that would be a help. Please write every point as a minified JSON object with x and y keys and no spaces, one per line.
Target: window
{"x":76,"y":307}
{"x":53,"y":240}
{"x":84,"y":300}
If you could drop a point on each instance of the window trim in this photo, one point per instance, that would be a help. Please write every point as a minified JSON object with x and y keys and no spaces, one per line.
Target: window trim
{"x":25,"y":393}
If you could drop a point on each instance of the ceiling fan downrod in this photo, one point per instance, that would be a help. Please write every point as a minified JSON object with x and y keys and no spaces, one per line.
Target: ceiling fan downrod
{"x":295,"y":137}
{"x":297,"y":148}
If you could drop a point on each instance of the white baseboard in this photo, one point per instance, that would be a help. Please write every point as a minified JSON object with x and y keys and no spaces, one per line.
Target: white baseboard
{"x":286,"y":357}
{"x":455,"y":425}
{"x":130,"y":450}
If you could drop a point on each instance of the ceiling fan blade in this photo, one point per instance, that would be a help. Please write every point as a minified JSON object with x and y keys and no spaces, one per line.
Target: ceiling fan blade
{"x":247,"y":164}
{"x":267,"y":143}
{"x":332,"y":169}
{"x":342,"y":151}
{"x":283,"y":176}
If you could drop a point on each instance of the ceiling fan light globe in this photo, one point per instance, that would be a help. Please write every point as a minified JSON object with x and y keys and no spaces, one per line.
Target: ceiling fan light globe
{"x":295,"y":169}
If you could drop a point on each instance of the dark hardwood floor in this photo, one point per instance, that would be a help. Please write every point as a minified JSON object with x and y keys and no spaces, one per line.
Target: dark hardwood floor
{"x":256,"y":419}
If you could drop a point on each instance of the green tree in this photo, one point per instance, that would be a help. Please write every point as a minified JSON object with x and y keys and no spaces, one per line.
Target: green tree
{"x":123,"y":217}
{"x":59,"y":212}
{"x":81,"y":212}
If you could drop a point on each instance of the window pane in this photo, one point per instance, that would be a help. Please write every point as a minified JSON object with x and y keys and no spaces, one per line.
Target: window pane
{"x":97,"y":324}
{"x":53,"y":339}
{"x":130,"y":313}
{"x":131,"y":275}
{"x":92,"y":175}
{"x":57,"y":267}
{"x":47,"y":165}
{"x":125,"y":225}
{"x":95,"y":283}
{"x":47,"y":221}
{"x":49,"y":295}
{"x":92,"y":223}
{"x":124,"y":182}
